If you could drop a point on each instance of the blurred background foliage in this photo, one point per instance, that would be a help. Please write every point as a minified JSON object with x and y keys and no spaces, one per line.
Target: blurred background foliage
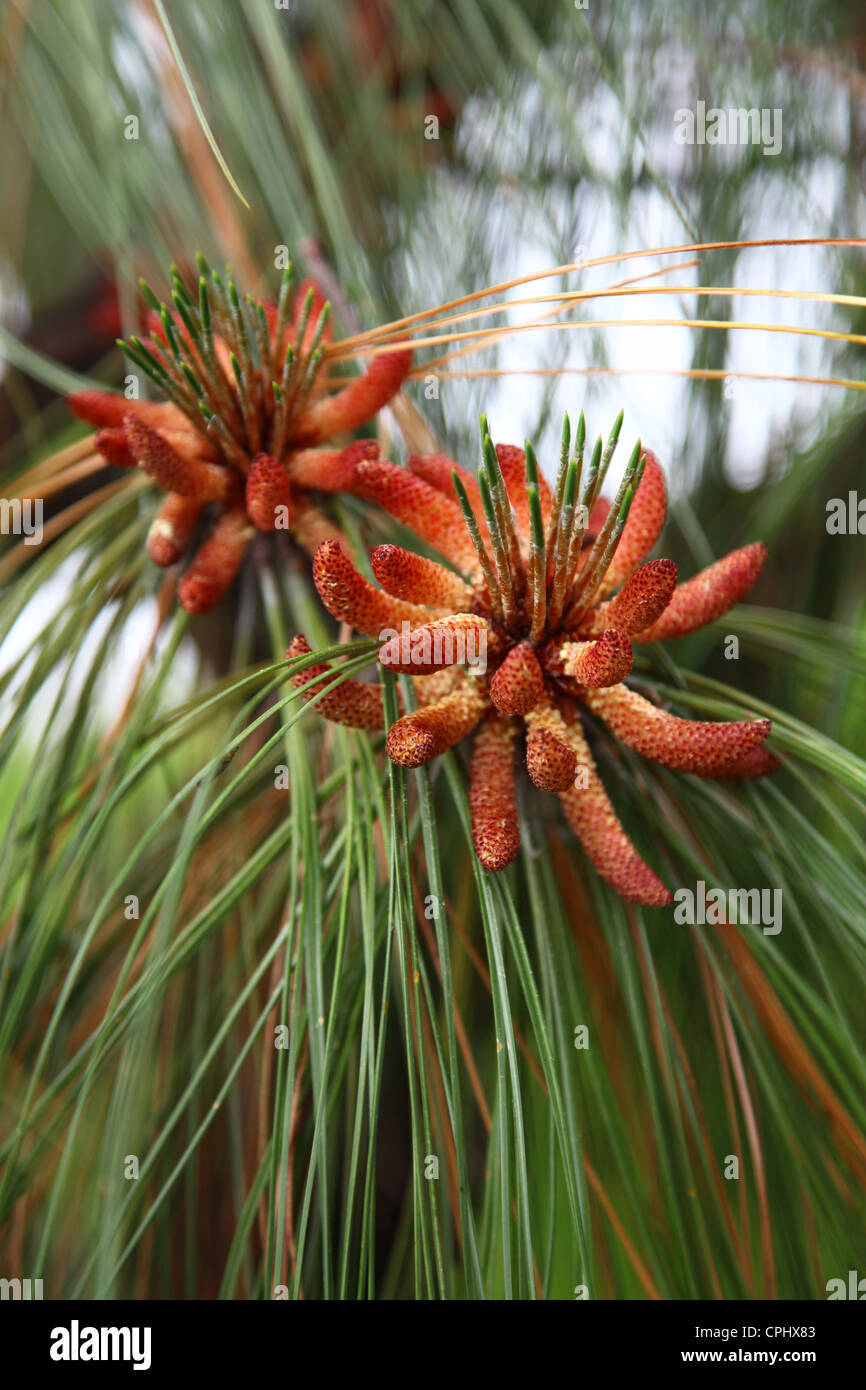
{"x":139,"y":747}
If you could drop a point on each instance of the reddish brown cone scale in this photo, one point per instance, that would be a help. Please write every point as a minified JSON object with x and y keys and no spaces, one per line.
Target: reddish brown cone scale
{"x":269,"y":497}
{"x":518,"y":684}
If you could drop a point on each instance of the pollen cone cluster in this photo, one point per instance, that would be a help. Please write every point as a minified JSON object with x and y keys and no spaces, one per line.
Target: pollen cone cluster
{"x":531,"y":622}
{"x":236,"y":443}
